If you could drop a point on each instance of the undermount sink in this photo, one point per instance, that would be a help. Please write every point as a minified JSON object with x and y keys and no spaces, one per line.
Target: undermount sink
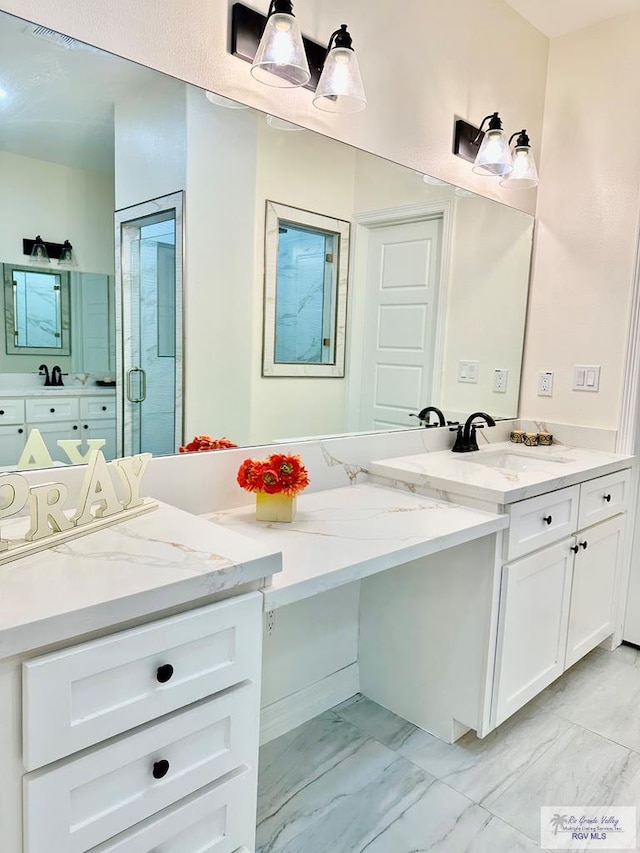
{"x":515,"y":461}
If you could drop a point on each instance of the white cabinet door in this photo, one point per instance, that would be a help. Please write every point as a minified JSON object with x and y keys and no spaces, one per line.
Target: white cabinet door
{"x":105,"y":429}
{"x":534,"y":613}
{"x":12,"y":440}
{"x":594,"y":580}
{"x":54,"y":431}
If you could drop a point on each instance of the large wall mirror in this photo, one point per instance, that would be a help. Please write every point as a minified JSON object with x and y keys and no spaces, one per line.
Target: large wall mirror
{"x":426,"y":305}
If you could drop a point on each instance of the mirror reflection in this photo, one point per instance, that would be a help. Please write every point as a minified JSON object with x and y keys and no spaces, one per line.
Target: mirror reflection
{"x":253,"y":341}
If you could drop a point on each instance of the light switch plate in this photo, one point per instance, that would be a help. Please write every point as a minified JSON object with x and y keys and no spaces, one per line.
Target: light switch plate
{"x":586,"y":377}
{"x":468,"y":371}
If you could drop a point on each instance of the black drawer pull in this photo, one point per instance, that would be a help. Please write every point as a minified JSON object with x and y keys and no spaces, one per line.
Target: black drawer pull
{"x":606,"y":498}
{"x":160,"y":769}
{"x":20,"y":431}
{"x":52,"y":410}
{"x":1,"y":411}
{"x":164,"y":673}
{"x":548,"y":519}
{"x":86,"y":426}
{"x":75,"y":426}
{"x":104,"y":408}
{"x":575,"y":549}
{"x":584,"y":545}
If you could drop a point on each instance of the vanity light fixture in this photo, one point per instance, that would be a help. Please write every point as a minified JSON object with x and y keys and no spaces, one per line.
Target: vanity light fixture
{"x":281,"y":60}
{"x":525,"y":174}
{"x":67,"y":256}
{"x":488,"y":150}
{"x":39,"y":253}
{"x":340,"y":89}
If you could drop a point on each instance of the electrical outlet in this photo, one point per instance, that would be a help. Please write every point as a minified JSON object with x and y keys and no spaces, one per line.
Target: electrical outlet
{"x":500,"y":377}
{"x":545,"y":384}
{"x":269,"y":622}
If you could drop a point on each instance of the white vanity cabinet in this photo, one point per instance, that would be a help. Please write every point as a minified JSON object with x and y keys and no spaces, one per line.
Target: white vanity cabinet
{"x":58,"y":415}
{"x":557,"y":602}
{"x":146,"y":740}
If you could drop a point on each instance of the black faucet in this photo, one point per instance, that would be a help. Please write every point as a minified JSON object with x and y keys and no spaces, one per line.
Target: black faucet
{"x":424,"y":419}
{"x":56,"y":377}
{"x":466,"y":440}
{"x":43,"y":370}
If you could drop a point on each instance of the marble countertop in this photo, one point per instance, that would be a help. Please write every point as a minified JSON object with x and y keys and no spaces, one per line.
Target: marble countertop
{"x":58,"y":391}
{"x":542,"y":469}
{"x":343,"y":535}
{"x":159,"y":560}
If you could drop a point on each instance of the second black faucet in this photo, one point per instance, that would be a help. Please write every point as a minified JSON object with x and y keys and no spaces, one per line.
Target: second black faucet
{"x":466,"y":439}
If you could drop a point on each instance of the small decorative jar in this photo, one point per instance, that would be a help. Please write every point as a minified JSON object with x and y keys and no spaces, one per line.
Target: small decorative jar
{"x":517,"y":436}
{"x":277,"y":507}
{"x":531,"y":439}
{"x":545,"y":439}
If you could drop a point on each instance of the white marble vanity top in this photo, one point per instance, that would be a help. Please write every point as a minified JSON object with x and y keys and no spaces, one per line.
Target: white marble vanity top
{"x":342,"y":535}
{"x":503,"y":480}
{"x":59,"y":391}
{"x":159,"y":560}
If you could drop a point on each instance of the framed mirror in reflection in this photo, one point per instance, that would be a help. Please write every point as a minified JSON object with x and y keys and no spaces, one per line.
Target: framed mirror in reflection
{"x":426,"y":305}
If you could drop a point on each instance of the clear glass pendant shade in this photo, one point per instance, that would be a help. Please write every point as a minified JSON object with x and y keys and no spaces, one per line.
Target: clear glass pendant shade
{"x":525,"y":174}
{"x":340,"y":88}
{"x":281,"y":60}
{"x":67,"y":256}
{"x":39,"y":254}
{"x":494,"y":156}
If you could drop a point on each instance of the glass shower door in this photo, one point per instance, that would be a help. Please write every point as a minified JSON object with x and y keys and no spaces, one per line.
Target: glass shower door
{"x":150,"y":311}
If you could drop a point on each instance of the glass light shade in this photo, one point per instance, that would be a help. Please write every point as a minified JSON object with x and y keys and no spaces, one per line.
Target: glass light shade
{"x":340,"y":88}
{"x":67,"y":256}
{"x":227,"y":103}
{"x":281,"y":60}
{"x":525,"y":174}
{"x":494,"y":156}
{"x":39,"y":254}
{"x":282,"y":124}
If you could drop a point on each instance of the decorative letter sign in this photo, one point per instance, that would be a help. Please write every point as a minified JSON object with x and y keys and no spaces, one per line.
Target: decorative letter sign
{"x":51,"y":519}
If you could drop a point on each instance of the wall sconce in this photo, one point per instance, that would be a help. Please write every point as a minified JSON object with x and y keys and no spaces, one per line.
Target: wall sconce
{"x":42,"y":252}
{"x":280,"y":59}
{"x":340,"y":89}
{"x":281,"y":56}
{"x":524,"y":174}
{"x":491,"y":154}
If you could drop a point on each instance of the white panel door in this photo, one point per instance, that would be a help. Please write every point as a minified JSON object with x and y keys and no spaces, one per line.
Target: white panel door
{"x":403,"y":274}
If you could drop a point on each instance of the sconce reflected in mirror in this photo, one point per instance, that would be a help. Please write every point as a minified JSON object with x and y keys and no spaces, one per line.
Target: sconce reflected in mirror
{"x":491,"y":153}
{"x":39,"y":253}
{"x":67,"y":257}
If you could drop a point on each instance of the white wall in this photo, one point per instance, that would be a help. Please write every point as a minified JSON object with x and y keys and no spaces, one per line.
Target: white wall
{"x":59,"y":203}
{"x":587,"y":227}
{"x":422,"y":66}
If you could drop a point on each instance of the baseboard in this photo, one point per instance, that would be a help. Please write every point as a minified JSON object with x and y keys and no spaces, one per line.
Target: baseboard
{"x":285,"y":714}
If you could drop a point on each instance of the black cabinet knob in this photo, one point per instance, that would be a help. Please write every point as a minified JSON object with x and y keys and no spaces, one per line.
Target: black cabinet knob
{"x":75,"y":426}
{"x":160,"y":769}
{"x":575,"y":549}
{"x":548,"y":519}
{"x":607,"y":498}
{"x":1,"y":411}
{"x":104,"y":408}
{"x":164,"y":673}
{"x":52,"y":410}
{"x":20,"y":431}
{"x":85,"y":426}
{"x":584,"y":545}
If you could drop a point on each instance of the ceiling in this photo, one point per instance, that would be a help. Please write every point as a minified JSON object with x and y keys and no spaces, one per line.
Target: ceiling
{"x":57,"y":100}
{"x":557,"y":17}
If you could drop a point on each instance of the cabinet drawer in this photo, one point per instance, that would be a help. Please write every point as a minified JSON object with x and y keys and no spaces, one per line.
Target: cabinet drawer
{"x":90,"y":692}
{"x":537,"y":522}
{"x":47,"y":409}
{"x":97,"y":407}
{"x":84,"y":801}
{"x":603,"y":497}
{"x":219,"y":819}
{"x":11,"y":412}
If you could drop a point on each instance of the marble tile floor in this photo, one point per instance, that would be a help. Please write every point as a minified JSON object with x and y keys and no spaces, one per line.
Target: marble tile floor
{"x":358,"y":778}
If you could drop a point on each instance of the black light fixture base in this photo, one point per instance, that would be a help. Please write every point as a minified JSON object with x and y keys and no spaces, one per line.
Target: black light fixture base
{"x":54,"y":250}
{"x":467,"y":140}
{"x":247,"y":27}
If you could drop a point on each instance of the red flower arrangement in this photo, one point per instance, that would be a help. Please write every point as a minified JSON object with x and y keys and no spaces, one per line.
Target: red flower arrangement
{"x":205,"y":442}
{"x":279,"y":474}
